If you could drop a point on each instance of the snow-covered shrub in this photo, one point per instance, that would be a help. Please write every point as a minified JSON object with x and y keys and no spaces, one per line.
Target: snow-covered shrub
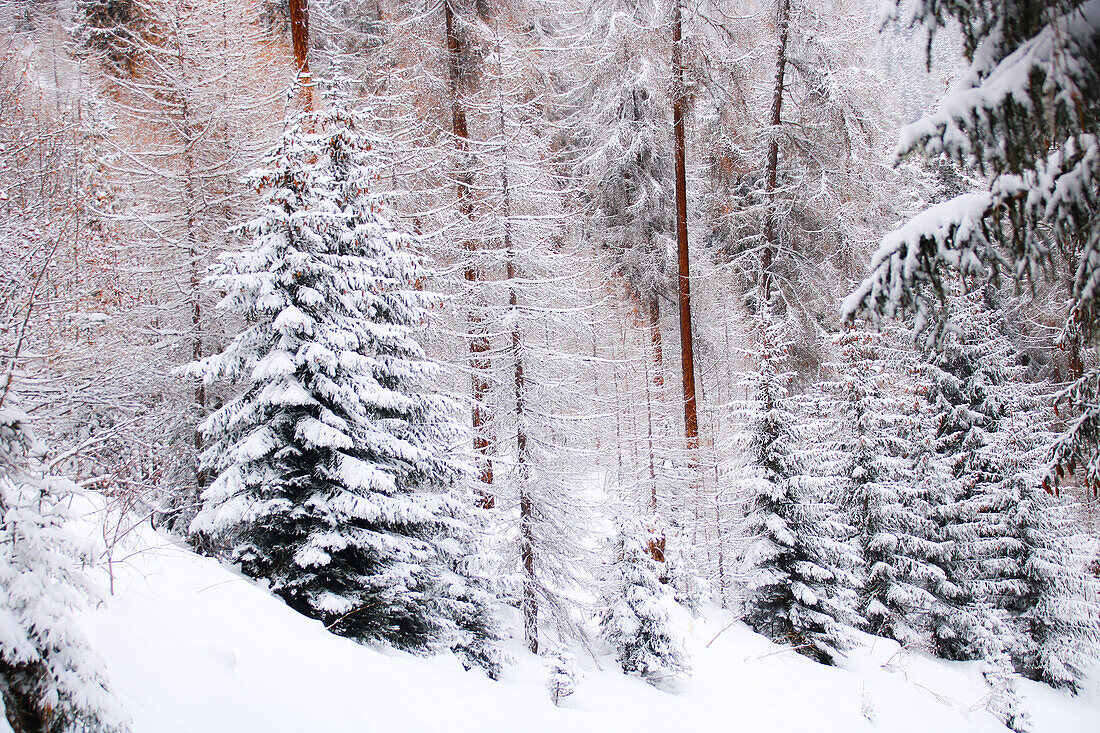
{"x":50,"y":680}
{"x":636,"y":620}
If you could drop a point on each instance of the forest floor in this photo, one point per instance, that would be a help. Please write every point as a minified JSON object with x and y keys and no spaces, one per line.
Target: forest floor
{"x":192,"y":647}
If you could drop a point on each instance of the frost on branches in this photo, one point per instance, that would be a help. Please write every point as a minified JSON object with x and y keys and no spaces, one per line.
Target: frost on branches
{"x":49,"y":679}
{"x":332,"y":481}
{"x":636,"y":620}
{"x":799,"y":566}
{"x":1028,"y":115}
{"x":887,"y":510}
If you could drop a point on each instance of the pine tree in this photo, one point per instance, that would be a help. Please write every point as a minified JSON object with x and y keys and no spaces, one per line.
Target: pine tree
{"x":798,"y":565}
{"x":50,"y":680}
{"x":332,"y":477}
{"x":636,"y":620}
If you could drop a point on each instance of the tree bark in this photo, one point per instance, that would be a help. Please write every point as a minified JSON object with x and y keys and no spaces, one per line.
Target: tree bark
{"x":299,"y":33}
{"x":687,"y":355}
{"x":479,"y":342}
{"x":771,"y":234}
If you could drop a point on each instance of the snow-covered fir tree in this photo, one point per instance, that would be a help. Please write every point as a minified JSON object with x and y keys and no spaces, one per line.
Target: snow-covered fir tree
{"x":1007,"y":537}
{"x":996,"y":644}
{"x":562,"y":675}
{"x":1027,"y":114}
{"x":965,"y":414}
{"x":883,"y":500}
{"x":799,"y":564}
{"x":633,"y":209}
{"x":1030,"y":566}
{"x":332,"y":472}
{"x":50,"y":680}
{"x":636,"y":621}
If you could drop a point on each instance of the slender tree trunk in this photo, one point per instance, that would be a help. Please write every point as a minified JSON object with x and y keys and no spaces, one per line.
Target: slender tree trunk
{"x":526,"y":510}
{"x":655,"y":342}
{"x":479,"y":342}
{"x":687,"y":355}
{"x":191,"y":197}
{"x":299,"y":32}
{"x":771,"y":234}
{"x":654,"y":390}
{"x":529,"y":604}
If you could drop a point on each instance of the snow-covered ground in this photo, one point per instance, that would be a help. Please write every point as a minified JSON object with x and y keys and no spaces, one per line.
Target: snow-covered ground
{"x":191,"y":647}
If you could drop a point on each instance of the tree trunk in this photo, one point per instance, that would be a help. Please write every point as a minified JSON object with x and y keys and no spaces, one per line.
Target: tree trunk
{"x":299,"y":32}
{"x":771,"y":235}
{"x":479,"y":342}
{"x":687,"y":355}
{"x":529,"y":604}
{"x":191,"y":132}
{"x":21,"y":710}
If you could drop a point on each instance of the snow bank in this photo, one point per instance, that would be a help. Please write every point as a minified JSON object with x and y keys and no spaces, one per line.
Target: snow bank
{"x":192,"y":647}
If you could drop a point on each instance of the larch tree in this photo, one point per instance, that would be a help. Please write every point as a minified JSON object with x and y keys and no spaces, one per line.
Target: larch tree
{"x":190,"y":116}
{"x":627,"y":163}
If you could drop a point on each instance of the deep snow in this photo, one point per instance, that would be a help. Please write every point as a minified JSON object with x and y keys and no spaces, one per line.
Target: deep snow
{"x":192,"y":647}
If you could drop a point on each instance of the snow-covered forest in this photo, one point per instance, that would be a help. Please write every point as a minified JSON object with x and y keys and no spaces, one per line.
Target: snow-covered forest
{"x":563,"y":364}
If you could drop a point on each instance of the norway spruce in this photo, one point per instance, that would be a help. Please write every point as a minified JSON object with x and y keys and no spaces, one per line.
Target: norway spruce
{"x":332,"y":480}
{"x":636,"y":620}
{"x":799,"y":566}
{"x":50,"y":680}
{"x":887,"y":509}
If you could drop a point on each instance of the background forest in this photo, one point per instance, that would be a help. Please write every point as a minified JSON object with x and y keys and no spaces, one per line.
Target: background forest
{"x":462,"y":320}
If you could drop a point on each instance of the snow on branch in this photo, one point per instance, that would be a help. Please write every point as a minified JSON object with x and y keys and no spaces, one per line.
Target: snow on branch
{"x":1045,"y":80}
{"x":909,"y":260}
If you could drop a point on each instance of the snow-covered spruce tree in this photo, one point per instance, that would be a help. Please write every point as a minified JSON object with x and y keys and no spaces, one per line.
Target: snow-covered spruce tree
{"x":1029,"y":567}
{"x":50,"y":680}
{"x":636,"y":620}
{"x":966,"y":413}
{"x":633,"y":209}
{"x":1028,"y":113}
{"x":883,"y":500}
{"x":798,"y":565}
{"x":331,"y":468}
{"x":562,"y":675}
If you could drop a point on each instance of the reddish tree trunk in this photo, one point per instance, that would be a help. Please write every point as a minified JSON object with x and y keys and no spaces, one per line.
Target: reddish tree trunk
{"x":687,"y":354}
{"x":299,"y":33}
{"x":771,"y":235}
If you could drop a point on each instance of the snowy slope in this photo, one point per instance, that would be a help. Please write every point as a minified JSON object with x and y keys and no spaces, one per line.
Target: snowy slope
{"x":192,"y":647}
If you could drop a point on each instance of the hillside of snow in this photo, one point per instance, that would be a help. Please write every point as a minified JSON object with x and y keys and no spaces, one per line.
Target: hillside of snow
{"x":192,"y":647}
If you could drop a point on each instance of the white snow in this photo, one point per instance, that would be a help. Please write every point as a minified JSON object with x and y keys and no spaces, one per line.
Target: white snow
{"x":192,"y":647}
